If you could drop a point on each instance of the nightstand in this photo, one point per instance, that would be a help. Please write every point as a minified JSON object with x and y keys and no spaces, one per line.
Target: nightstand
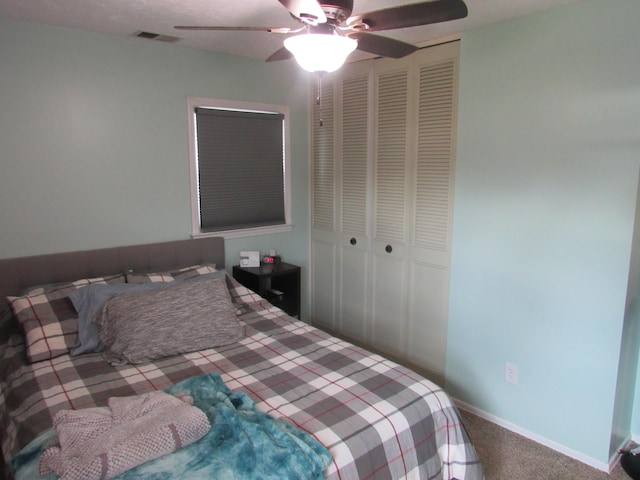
{"x":278,"y":283}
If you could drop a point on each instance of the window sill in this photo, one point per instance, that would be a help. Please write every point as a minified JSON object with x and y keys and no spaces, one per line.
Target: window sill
{"x":246,"y":232}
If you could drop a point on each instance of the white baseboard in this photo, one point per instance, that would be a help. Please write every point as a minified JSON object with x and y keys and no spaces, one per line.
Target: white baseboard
{"x":581,"y":457}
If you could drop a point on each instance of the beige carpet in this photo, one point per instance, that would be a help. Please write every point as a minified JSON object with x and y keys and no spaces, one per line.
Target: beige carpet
{"x":506,"y":455}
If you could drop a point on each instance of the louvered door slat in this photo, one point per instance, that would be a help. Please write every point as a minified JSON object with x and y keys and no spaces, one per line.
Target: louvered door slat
{"x":323,"y":161}
{"x":391,"y":145}
{"x":354,"y":155}
{"x":433,"y":179}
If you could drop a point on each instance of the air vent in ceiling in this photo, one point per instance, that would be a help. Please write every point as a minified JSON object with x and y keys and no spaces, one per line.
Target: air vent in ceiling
{"x":156,"y":36}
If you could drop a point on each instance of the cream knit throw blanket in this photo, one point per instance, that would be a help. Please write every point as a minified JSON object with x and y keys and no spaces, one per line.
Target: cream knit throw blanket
{"x":103,"y":442}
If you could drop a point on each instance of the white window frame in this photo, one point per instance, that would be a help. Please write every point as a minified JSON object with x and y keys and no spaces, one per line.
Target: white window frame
{"x":203,"y":102}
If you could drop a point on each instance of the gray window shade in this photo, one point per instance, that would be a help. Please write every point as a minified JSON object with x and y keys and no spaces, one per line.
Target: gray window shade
{"x":240,"y":169}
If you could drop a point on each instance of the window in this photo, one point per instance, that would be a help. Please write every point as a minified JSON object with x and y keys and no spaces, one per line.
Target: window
{"x":239,"y":167}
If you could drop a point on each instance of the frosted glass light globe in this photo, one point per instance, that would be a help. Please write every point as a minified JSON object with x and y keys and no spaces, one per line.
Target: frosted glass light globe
{"x":320,"y":52}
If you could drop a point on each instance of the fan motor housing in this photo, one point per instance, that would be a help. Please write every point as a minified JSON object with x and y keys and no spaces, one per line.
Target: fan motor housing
{"x":337,"y":10}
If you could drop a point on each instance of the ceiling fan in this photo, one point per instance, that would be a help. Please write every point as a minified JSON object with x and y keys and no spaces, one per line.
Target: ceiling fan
{"x":329,"y":33}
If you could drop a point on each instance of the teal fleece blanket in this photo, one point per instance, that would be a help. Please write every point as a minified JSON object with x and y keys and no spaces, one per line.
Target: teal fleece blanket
{"x":243,"y":443}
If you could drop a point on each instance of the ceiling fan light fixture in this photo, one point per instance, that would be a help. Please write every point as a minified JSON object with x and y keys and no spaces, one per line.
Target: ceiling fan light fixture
{"x":318,"y":52}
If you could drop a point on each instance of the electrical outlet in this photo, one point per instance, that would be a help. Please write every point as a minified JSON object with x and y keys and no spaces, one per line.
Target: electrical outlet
{"x":511,"y":373}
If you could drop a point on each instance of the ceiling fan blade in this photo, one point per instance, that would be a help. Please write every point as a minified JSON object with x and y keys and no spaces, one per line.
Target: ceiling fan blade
{"x":411,"y":15}
{"x":280,"y":54}
{"x":383,"y":46}
{"x":309,"y":11}
{"x":236,"y":29}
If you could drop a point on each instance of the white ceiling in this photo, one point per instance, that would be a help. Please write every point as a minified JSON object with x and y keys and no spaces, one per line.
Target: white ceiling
{"x":125,"y":17}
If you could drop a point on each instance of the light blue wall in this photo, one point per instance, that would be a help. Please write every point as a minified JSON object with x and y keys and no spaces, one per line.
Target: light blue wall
{"x":546,"y":183}
{"x":93,"y":135}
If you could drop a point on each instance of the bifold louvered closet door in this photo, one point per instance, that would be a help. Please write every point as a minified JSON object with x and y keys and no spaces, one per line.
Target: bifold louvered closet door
{"x":382,"y":186}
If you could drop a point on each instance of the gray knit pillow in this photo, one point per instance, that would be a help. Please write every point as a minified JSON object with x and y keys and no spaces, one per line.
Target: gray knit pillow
{"x":138,"y":327}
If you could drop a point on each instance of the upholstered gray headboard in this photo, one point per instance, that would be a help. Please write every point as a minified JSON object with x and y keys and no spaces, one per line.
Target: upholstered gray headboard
{"x":16,"y":274}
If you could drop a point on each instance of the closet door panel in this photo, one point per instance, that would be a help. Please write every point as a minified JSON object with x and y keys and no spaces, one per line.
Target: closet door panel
{"x":435,"y":93}
{"x":427,"y":333}
{"x":353,"y":205}
{"x":354,"y":275}
{"x":323,"y":298}
{"x":389,"y":306}
{"x":324,"y":236}
{"x":391,"y":206}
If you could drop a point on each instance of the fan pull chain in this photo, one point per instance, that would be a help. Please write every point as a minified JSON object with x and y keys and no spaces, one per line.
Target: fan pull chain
{"x":319,"y":97}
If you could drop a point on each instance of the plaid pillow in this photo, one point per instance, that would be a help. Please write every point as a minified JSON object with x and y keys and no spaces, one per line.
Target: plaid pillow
{"x":49,"y":320}
{"x":241,"y":294}
{"x":170,"y":276}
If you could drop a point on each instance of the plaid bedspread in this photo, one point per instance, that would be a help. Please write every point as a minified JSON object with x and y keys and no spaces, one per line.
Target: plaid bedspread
{"x":378,"y":419}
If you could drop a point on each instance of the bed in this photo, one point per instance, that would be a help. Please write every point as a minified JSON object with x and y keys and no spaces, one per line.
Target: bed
{"x":377,"y":419}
